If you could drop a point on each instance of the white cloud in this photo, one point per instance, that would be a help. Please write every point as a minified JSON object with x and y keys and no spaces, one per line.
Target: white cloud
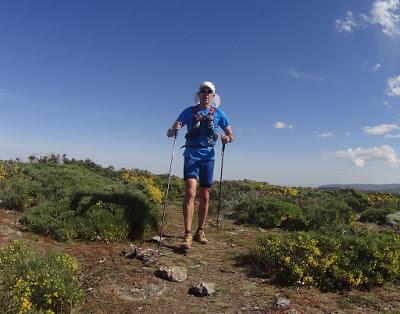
{"x":381,"y":129}
{"x":346,"y":24}
{"x":383,"y":13}
{"x":360,"y":156}
{"x":376,"y":67}
{"x":293,"y":73}
{"x":282,"y":125}
{"x":326,"y":135}
{"x":393,"y":86}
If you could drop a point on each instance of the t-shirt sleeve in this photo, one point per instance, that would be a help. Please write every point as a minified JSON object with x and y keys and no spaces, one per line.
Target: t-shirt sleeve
{"x":223,"y":120}
{"x":183,"y":117}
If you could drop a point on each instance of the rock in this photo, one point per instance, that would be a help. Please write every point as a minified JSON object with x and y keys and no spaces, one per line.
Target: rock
{"x":19,"y":233}
{"x":291,"y":311}
{"x":153,"y":290}
{"x":282,"y":302}
{"x":202,"y":289}
{"x":134,"y":252}
{"x":393,"y":219}
{"x":174,"y":273}
{"x":155,"y":239}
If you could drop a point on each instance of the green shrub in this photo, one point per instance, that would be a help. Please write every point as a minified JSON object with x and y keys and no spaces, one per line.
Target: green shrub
{"x":19,"y":193}
{"x":268,"y":213}
{"x":327,"y":213}
{"x":360,"y":259}
{"x":32,"y":282}
{"x":79,"y":200}
{"x":96,"y":217}
{"x":357,"y":200}
{"x":377,"y":215}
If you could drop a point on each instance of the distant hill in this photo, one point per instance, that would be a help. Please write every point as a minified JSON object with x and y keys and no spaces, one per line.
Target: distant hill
{"x":390,"y":188}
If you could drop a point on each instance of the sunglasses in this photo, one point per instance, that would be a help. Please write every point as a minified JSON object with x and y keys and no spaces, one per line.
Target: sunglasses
{"x":206,"y":91}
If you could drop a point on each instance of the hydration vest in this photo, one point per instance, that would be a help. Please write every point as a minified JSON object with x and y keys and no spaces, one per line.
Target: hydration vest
{"x":199,"y":129}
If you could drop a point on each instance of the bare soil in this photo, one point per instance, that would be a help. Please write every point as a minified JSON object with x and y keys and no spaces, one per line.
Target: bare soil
{"x":114,"y":283}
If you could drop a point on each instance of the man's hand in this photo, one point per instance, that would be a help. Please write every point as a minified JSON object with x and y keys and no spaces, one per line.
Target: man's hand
{"x":174,"y":129}
{"x":225,"y":139}
{"x":177,"y":125}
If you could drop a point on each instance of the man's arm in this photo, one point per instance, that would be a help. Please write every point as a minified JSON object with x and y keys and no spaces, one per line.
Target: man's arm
{"x":228,"y":137}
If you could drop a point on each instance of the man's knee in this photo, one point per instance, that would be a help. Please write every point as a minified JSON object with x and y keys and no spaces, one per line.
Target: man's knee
{"x":190,"y":193}
{"x":204,"y":194}
{"x":190,"y":188}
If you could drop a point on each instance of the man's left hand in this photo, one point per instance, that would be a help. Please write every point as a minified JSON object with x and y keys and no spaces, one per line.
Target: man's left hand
{"x":225,"y":139}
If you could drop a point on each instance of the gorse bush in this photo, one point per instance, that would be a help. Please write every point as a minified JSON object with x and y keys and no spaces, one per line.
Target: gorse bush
{"x":145,"y":181}
{"x":269,"y":213}
{"x":235,"y":192}
{"x":19,"y":193}
{"x":32,"y":283}
{"x":327,"y":213}
{"x":80,"y":200}
{"x":313,"y":213}
{"x":377,"y":215}
{"x":360,"y":259}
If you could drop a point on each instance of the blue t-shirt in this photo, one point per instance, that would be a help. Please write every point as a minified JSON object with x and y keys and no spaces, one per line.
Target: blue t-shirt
{"x":186,"y":118}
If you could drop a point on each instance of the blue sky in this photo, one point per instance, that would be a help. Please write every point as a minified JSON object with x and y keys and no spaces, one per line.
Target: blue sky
{"x":312,"y":88}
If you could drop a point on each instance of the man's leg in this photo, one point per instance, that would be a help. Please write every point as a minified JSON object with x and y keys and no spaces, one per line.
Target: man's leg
{"x":190,"y":174}
{"x":188,"y":203}
{"x":206,"y":172}
{"x":203,"y":206}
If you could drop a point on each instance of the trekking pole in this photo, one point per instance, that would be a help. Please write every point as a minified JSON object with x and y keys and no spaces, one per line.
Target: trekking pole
{"x":220,"y":183}
{"x":167,"y":191}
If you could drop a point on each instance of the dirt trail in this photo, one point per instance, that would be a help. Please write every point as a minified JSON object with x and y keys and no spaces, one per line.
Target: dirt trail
{"x":116,"y":284}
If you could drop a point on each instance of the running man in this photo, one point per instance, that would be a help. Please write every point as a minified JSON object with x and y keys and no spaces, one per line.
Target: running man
{"x":203,"y":121}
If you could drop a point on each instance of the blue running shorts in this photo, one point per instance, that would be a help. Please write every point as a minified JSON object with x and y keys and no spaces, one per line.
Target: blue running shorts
{"x":199,"y":169}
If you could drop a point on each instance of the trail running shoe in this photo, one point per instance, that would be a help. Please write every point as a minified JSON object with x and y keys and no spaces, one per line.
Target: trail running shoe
{"x":200,"y":237}
{"x":187,"y":241}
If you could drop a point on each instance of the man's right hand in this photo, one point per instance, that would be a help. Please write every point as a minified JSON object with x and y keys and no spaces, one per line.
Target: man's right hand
{"x":177,"y":125}
{"x":174,"y":129}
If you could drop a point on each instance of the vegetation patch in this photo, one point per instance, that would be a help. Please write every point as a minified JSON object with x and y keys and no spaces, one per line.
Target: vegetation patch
{"x":35,"y":283}
{"x":359,"y":259}
{"x":71,"y":199}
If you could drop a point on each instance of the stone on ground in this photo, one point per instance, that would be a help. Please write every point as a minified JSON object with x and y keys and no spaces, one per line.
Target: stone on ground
{"x":393,"y":219}
{"x":173,"y":273}
{"x":202,"y":289}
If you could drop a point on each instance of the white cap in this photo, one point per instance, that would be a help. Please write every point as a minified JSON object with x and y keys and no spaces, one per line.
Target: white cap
{"x":209,"y":85}
{"x":216,"y":100}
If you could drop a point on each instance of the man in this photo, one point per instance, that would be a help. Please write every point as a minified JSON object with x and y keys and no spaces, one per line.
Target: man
{"x":202,"y":122}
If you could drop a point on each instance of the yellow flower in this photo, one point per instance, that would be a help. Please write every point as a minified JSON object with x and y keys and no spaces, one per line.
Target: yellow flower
{"x":308,"y":279}
{"x":286,"y":259}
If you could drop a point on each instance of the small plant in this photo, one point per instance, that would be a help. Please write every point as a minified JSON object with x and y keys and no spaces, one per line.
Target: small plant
{"x":359,"y":259}
{"x":31,"y":282}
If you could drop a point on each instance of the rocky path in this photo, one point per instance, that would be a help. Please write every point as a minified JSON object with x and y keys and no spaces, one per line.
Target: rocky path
{"x":118,"y":282}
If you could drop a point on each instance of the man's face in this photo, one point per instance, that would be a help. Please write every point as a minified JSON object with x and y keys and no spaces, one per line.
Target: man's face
{"x":206,"y":95}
